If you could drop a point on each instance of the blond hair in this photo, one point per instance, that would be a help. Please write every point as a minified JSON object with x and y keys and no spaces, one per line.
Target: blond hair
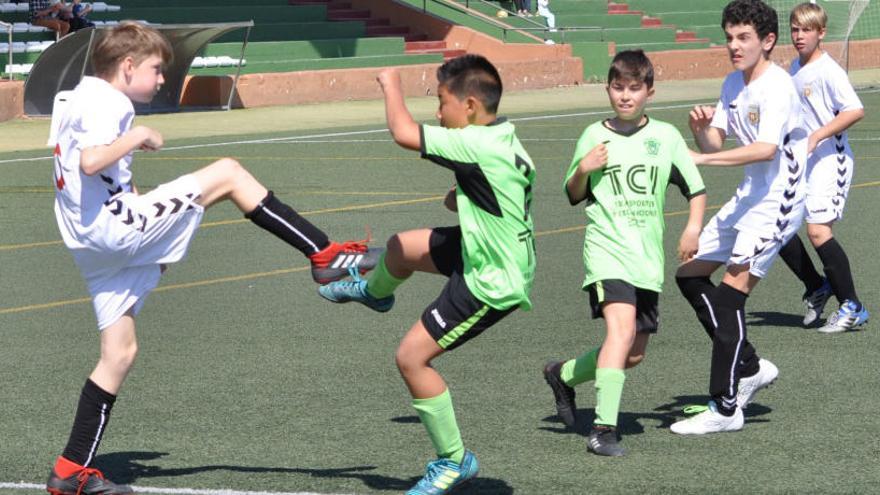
{"x":128,"y":39}
{"x":809,"y":15}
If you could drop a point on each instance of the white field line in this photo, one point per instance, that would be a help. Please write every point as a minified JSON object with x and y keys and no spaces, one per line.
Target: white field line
{"x":166,"y":491}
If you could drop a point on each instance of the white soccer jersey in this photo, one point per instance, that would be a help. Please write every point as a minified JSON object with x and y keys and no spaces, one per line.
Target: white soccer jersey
{"x":767,"y":111}
{"x":825,"y":91}
{"x":767,"y":208}
{"x":97,"y":114}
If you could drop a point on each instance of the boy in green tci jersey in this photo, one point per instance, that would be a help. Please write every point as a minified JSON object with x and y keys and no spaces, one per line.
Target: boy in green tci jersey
{"x":621,"y":168}
{"x":489,"y":257}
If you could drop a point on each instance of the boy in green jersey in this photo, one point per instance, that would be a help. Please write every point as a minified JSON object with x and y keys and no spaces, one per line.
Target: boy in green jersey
{"x":489,"y":257}
{"x":621,"y":168}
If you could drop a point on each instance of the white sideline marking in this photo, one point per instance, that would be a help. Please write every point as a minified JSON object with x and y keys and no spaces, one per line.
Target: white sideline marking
{"x":168,"y":491}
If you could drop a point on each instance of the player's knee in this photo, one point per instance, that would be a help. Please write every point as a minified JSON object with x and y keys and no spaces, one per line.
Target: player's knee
{"x":121,"y":358}
{"x":634,"y":360}
{"x":818,"y":236}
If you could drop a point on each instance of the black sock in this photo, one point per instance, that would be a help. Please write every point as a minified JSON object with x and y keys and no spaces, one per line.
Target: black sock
{"x":727,"y":306}
{"x":838,"y":271}
{"x":796,"y":257}
{"x":89,"y":424}
{"x":694,"y":289}
{"x":283,"y":221}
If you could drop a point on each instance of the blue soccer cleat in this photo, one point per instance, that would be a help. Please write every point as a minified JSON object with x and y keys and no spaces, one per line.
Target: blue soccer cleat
{"x":849,"y":317}
{"x":443,"y":475}
{"x":355,"y":289}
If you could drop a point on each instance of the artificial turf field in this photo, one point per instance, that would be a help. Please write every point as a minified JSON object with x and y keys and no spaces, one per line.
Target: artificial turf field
{"x":248,"y":381}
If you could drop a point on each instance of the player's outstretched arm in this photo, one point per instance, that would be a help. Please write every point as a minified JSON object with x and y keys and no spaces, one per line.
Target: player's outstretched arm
{"x":690,"y":236}
{"x":840,"y":123}
{"x":404,"y":129}
{"x":576,"y":187}
{"x":96,"y":158}
{"x":744,"y":155}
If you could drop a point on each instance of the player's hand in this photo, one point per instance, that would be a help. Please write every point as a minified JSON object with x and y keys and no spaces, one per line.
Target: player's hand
{"x":388,"y":77}
{"x":812,"y":143}
{"x":151,"y":140}
{"x":594,"y":160}
{"x":688,"y":244}
{"x":450,"y":201}
{"x":700,"y":117}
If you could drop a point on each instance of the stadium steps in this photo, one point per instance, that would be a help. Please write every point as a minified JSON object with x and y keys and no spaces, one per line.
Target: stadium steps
{"x":341,"y":11}
{"x":425,"y":47}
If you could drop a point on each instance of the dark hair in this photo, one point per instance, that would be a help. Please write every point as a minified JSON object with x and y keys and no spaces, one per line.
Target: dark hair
{"x":472,"y":75}
{"x":753,"y":13}
{"x":128,"y":39}
{"x":633,"y":65}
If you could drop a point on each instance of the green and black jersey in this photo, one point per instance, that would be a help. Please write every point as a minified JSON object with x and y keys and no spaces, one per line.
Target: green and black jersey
{"x":625,"y":199}
{"x":494,"y":177}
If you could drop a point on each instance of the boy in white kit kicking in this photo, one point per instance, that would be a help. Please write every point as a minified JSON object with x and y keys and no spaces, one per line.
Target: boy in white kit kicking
{"x":830,"y":106}
{"x":121,"y":240}
{"x":760,"y":107}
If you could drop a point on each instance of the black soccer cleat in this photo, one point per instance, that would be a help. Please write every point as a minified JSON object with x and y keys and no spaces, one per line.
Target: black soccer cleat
{"x":562,"y":393}
{"x":603,"y":440}
{"x":88,"y":481}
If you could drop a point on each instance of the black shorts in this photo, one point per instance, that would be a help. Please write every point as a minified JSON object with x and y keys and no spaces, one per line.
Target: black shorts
{"x":645,"y":301}
{"x":456,"y":316}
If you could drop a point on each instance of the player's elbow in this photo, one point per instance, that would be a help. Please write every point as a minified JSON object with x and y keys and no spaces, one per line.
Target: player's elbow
{"x":89,"y":165}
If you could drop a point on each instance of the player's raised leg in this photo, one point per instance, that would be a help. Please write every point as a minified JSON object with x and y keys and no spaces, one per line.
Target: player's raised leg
{"x":405,"y":253}
{"x":227,"y":179}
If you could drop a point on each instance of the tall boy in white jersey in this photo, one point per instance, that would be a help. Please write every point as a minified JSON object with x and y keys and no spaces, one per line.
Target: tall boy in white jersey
{"x":122,"y":240}
{"x":830,"y":106}
{"x":760,"y":107}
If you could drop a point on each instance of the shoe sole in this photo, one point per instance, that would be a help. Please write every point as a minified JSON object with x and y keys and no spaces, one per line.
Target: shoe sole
{"x":854,"y":328}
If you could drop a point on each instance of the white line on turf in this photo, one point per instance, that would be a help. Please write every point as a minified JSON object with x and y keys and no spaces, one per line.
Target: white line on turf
{"x":168,"y":491}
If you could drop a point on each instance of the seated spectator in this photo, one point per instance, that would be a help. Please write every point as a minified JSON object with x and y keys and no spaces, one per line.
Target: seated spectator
{"x":544,"y":11}
{"x":75,"y":14}
{"x":45,"y":13}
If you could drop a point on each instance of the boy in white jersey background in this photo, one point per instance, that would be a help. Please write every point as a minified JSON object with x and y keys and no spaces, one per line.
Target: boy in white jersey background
{"x":121,"y":240}
{"x":489,"y":257}
{"x":621,"y":169}
{"x":830,"y":107}
{"x":760,"y":107}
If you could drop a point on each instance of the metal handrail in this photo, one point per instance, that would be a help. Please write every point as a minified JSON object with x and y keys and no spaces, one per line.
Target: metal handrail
{"x":8,"y":27}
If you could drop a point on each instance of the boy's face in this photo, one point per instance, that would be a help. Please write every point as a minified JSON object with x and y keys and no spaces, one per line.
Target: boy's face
{"x":744,"y":47}
{"x":628,"y":98}
{"x":806,"y":39}
{"x":144,"y":79}
{"x":452,"y":112}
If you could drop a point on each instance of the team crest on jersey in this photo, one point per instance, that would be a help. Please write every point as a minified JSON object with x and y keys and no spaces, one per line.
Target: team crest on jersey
{"x":652,"y":146}
{"x":754,"y":114}
{"x":807,"y":91}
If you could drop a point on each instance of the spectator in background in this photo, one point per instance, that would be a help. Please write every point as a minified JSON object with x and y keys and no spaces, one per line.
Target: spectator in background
{"x":75,"y":14}
{"x":45,"y":13}
{"x":544,"y":11}
{"x":523,"y":8}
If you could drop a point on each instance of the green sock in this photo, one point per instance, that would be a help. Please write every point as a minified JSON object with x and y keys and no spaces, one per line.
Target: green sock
{"x":381,"y":283}
{"x":438,"y":417}
{"x":609,"y":389}
{"x":580,"y":370}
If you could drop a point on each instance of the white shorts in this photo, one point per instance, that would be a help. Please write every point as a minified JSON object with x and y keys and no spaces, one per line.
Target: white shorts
{"x":137,"y":234}
{"x":744,"y":234}
{"x":829,"y":176}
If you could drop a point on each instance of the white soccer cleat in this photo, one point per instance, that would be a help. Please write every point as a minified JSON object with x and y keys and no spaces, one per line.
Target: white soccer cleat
{"x":709,"y":421}
{"x":814,"y":303}
{"x":749,"y":386}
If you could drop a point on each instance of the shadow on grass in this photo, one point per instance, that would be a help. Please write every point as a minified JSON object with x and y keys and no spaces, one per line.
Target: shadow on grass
{"x":630,"y":423}
{"x":776,"y":319}
{"x":128,"y":467}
